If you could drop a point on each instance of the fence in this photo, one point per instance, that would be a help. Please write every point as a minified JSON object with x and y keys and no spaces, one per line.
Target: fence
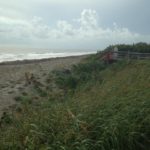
{"x":131,"y":55}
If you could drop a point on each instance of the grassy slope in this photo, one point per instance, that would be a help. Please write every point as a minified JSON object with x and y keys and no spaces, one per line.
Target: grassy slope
{"x":110,"y":110}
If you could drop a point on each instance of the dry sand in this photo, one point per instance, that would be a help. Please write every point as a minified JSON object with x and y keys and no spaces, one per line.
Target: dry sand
{"x":12,"y":76}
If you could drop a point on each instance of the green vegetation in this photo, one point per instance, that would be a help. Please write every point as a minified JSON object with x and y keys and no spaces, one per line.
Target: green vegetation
{"x":139,"y":47}
{"x":92,"y":106}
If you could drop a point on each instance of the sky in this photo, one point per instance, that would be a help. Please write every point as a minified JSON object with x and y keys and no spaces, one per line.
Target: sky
{"x":73,"y":24}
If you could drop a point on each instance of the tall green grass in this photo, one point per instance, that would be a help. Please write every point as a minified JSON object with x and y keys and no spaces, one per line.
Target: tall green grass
{"x":93,"y":107}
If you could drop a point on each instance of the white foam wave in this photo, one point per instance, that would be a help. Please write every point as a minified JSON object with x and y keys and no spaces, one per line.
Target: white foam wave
{"x":29,"y":56}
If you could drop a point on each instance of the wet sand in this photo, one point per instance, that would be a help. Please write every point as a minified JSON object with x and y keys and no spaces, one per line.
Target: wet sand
{"x":12,"y":75}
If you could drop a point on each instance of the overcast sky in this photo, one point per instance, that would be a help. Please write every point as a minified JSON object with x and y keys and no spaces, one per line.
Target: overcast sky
{"x":73,"y":24}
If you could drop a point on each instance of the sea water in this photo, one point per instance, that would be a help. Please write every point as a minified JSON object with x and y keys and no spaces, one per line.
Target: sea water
{"x":30,"y":54}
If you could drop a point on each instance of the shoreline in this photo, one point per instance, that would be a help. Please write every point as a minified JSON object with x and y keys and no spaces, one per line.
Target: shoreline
{"x":30,"y":61}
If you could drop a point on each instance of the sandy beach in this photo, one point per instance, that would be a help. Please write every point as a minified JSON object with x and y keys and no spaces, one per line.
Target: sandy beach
{"x":12,"y":76}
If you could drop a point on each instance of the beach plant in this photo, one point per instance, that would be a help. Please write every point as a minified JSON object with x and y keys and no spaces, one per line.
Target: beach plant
{"x":107,"y":110}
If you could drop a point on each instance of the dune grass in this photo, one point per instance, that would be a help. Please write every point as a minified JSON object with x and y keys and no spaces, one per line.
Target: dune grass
{"x":92,"y":107}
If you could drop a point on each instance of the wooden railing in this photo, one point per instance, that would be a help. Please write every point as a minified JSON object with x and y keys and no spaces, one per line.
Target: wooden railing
{"x":131,"y":55}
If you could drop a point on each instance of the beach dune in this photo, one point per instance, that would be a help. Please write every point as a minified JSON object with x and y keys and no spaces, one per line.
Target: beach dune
{"x":12,"y":75}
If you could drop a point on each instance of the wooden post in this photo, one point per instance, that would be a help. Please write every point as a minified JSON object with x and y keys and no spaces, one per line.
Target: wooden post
{"x":128,"y":55}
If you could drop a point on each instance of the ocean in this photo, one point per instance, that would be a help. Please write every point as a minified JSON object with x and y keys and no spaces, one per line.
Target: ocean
{"x":29,"y":54}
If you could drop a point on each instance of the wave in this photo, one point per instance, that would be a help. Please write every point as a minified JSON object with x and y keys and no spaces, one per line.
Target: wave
{"x":5,"y":57}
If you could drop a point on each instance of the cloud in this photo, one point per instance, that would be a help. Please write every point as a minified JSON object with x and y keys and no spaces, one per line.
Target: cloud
{"x":88,"y":19}
{"x":13,"y":28}
{"x":88,"y":30}
{"x":65,"y":28}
